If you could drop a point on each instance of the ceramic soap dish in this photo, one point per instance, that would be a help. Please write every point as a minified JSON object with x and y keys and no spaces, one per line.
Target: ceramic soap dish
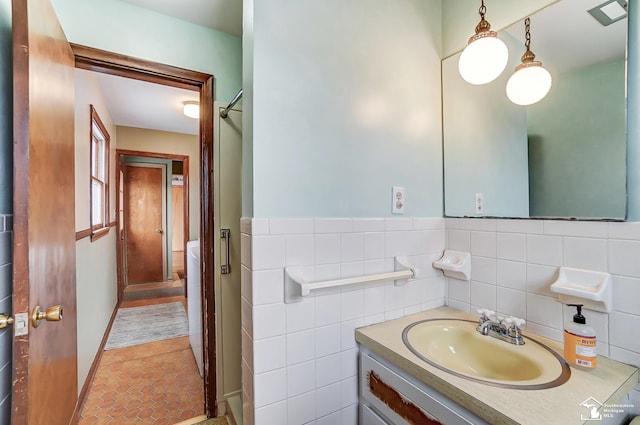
{"x":455,"y":264}
{"x":587,"y":287}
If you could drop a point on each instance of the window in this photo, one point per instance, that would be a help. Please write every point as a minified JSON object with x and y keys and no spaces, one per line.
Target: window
{"x":99,"y":183}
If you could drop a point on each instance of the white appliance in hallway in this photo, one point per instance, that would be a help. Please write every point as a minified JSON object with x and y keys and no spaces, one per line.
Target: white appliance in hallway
{"x":194,"y":301}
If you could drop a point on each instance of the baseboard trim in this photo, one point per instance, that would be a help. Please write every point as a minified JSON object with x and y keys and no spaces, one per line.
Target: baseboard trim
{"x":92,"y":371}
{"x":231,"y":402}
{"x":193,"y":421}
{"x":224,"y":409}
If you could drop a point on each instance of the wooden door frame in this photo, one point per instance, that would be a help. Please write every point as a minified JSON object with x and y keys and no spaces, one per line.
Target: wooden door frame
{"x":125,"y":66}
{"x":120,"y":153}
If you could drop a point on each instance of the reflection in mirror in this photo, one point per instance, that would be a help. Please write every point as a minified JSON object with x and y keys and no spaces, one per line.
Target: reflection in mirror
{"x":563,"y":157}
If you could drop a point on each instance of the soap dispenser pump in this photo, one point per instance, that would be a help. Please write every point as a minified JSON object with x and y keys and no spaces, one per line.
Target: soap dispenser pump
{"x":580,"y":341}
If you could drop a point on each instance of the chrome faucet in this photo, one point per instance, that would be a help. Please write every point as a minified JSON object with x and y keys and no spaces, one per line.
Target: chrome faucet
{"x":506,"y":329}
{"x":484,"y":322}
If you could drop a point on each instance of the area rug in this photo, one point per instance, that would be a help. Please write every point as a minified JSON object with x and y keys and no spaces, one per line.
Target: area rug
{"x":149,"y":323}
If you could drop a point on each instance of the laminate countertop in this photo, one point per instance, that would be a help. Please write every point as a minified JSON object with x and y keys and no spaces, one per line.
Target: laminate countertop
{"x":609,"y":383}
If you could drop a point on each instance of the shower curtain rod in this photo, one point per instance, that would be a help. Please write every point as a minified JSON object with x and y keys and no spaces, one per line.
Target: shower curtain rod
{"x":225,"y":113}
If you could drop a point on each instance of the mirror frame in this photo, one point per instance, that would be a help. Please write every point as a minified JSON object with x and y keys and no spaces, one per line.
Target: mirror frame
{"x":633,"y":110}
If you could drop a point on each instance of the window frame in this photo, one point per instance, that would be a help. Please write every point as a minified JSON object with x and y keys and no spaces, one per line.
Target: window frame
{"x":100,"y":229}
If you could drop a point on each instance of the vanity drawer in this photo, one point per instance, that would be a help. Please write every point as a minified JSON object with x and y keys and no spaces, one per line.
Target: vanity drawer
{"x":411,"y":402}
{"x":369,"y":417}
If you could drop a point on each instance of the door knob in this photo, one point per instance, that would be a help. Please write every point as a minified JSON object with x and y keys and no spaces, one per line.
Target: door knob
{"x":52,"y":314}
{"x":159,"y":231}
{"x":5,"y":320}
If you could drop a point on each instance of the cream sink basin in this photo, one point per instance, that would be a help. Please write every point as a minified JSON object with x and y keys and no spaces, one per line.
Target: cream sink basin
{"x":454,"y":345}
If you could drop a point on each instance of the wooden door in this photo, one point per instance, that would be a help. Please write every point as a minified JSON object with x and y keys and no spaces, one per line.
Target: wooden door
{"x":143,"y":223}
{"x":45,"y":360}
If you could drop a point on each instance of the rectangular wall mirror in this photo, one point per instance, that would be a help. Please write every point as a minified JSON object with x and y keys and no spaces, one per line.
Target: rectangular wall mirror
{"x":563,"y":157}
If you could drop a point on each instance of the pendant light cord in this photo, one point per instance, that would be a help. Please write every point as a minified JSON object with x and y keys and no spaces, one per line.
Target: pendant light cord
{"x":528,"y":56}
{"x":483,"y":25}
{"x":527,"y":34}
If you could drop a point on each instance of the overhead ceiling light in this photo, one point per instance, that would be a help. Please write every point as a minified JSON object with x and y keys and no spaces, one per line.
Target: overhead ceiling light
{"x":191,"y":108}
{"x":610,"y":11}
{"x":531,"y":81}
{"x":485,"y":56}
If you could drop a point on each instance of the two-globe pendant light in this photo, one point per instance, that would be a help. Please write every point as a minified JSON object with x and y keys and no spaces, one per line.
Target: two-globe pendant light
{"x":531,"y":81}
{"x":485,"y":56}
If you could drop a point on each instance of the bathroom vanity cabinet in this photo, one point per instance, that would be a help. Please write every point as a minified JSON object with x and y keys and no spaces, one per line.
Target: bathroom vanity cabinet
{"x":391,"y":396}
{"x":405,"y":385}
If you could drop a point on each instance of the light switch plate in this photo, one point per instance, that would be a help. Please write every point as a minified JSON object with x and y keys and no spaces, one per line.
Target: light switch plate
{"x":479,"y":203}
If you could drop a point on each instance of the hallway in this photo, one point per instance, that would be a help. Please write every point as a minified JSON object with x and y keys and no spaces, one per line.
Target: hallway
{"x":154,"y":383}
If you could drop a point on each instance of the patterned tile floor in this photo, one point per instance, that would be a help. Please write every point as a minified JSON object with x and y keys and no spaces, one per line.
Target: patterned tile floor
{"x":156,"y":383}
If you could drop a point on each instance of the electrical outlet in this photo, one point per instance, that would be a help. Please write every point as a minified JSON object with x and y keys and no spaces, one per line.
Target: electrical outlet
{"x":479,"y":203}
{"x":397,"y":200}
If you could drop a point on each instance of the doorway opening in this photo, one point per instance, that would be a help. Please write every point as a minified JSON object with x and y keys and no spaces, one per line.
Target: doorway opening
{"x":153,"y":223}
{"x":123,"y":66}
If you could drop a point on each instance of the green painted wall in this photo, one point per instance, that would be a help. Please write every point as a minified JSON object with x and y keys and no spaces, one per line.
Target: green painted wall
{"x":577,"y":165}
{"x":6,"y":206}
{"x":120,"y":27}
{"x":341,"y":107}
{"x":6,"y":110}
{"x":485,"y":145}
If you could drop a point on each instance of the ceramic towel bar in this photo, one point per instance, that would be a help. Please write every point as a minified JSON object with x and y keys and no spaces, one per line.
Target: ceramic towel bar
{"x":295,"y":286}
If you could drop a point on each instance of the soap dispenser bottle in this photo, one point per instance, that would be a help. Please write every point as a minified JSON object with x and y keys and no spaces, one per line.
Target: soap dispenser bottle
{"x":580,"y":341}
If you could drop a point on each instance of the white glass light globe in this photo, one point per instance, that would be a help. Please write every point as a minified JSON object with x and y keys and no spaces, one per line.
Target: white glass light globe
{"x":484,"y":59}
{"x":529,"y":84}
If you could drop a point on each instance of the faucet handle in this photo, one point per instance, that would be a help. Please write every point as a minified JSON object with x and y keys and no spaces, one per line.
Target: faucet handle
{"x":515,"y":321}
{"x":484,"y":312}
{"x":513,"y":330}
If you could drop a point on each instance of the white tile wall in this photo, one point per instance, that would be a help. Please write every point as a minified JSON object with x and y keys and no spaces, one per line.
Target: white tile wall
{"x":527,"y":253}
{"x":300,"y":359}
{"x":512,"y":246}
{"x":511,"y":274}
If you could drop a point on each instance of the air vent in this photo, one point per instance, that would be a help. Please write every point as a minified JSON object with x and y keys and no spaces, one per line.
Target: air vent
{"x":610,"y":11}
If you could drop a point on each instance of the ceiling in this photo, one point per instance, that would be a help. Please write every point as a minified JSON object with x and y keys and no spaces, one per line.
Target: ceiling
{"x":566,"y":26}
{"x":221,"y":15}
{"x":134,"y":103}
{"x":140,"y":104}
